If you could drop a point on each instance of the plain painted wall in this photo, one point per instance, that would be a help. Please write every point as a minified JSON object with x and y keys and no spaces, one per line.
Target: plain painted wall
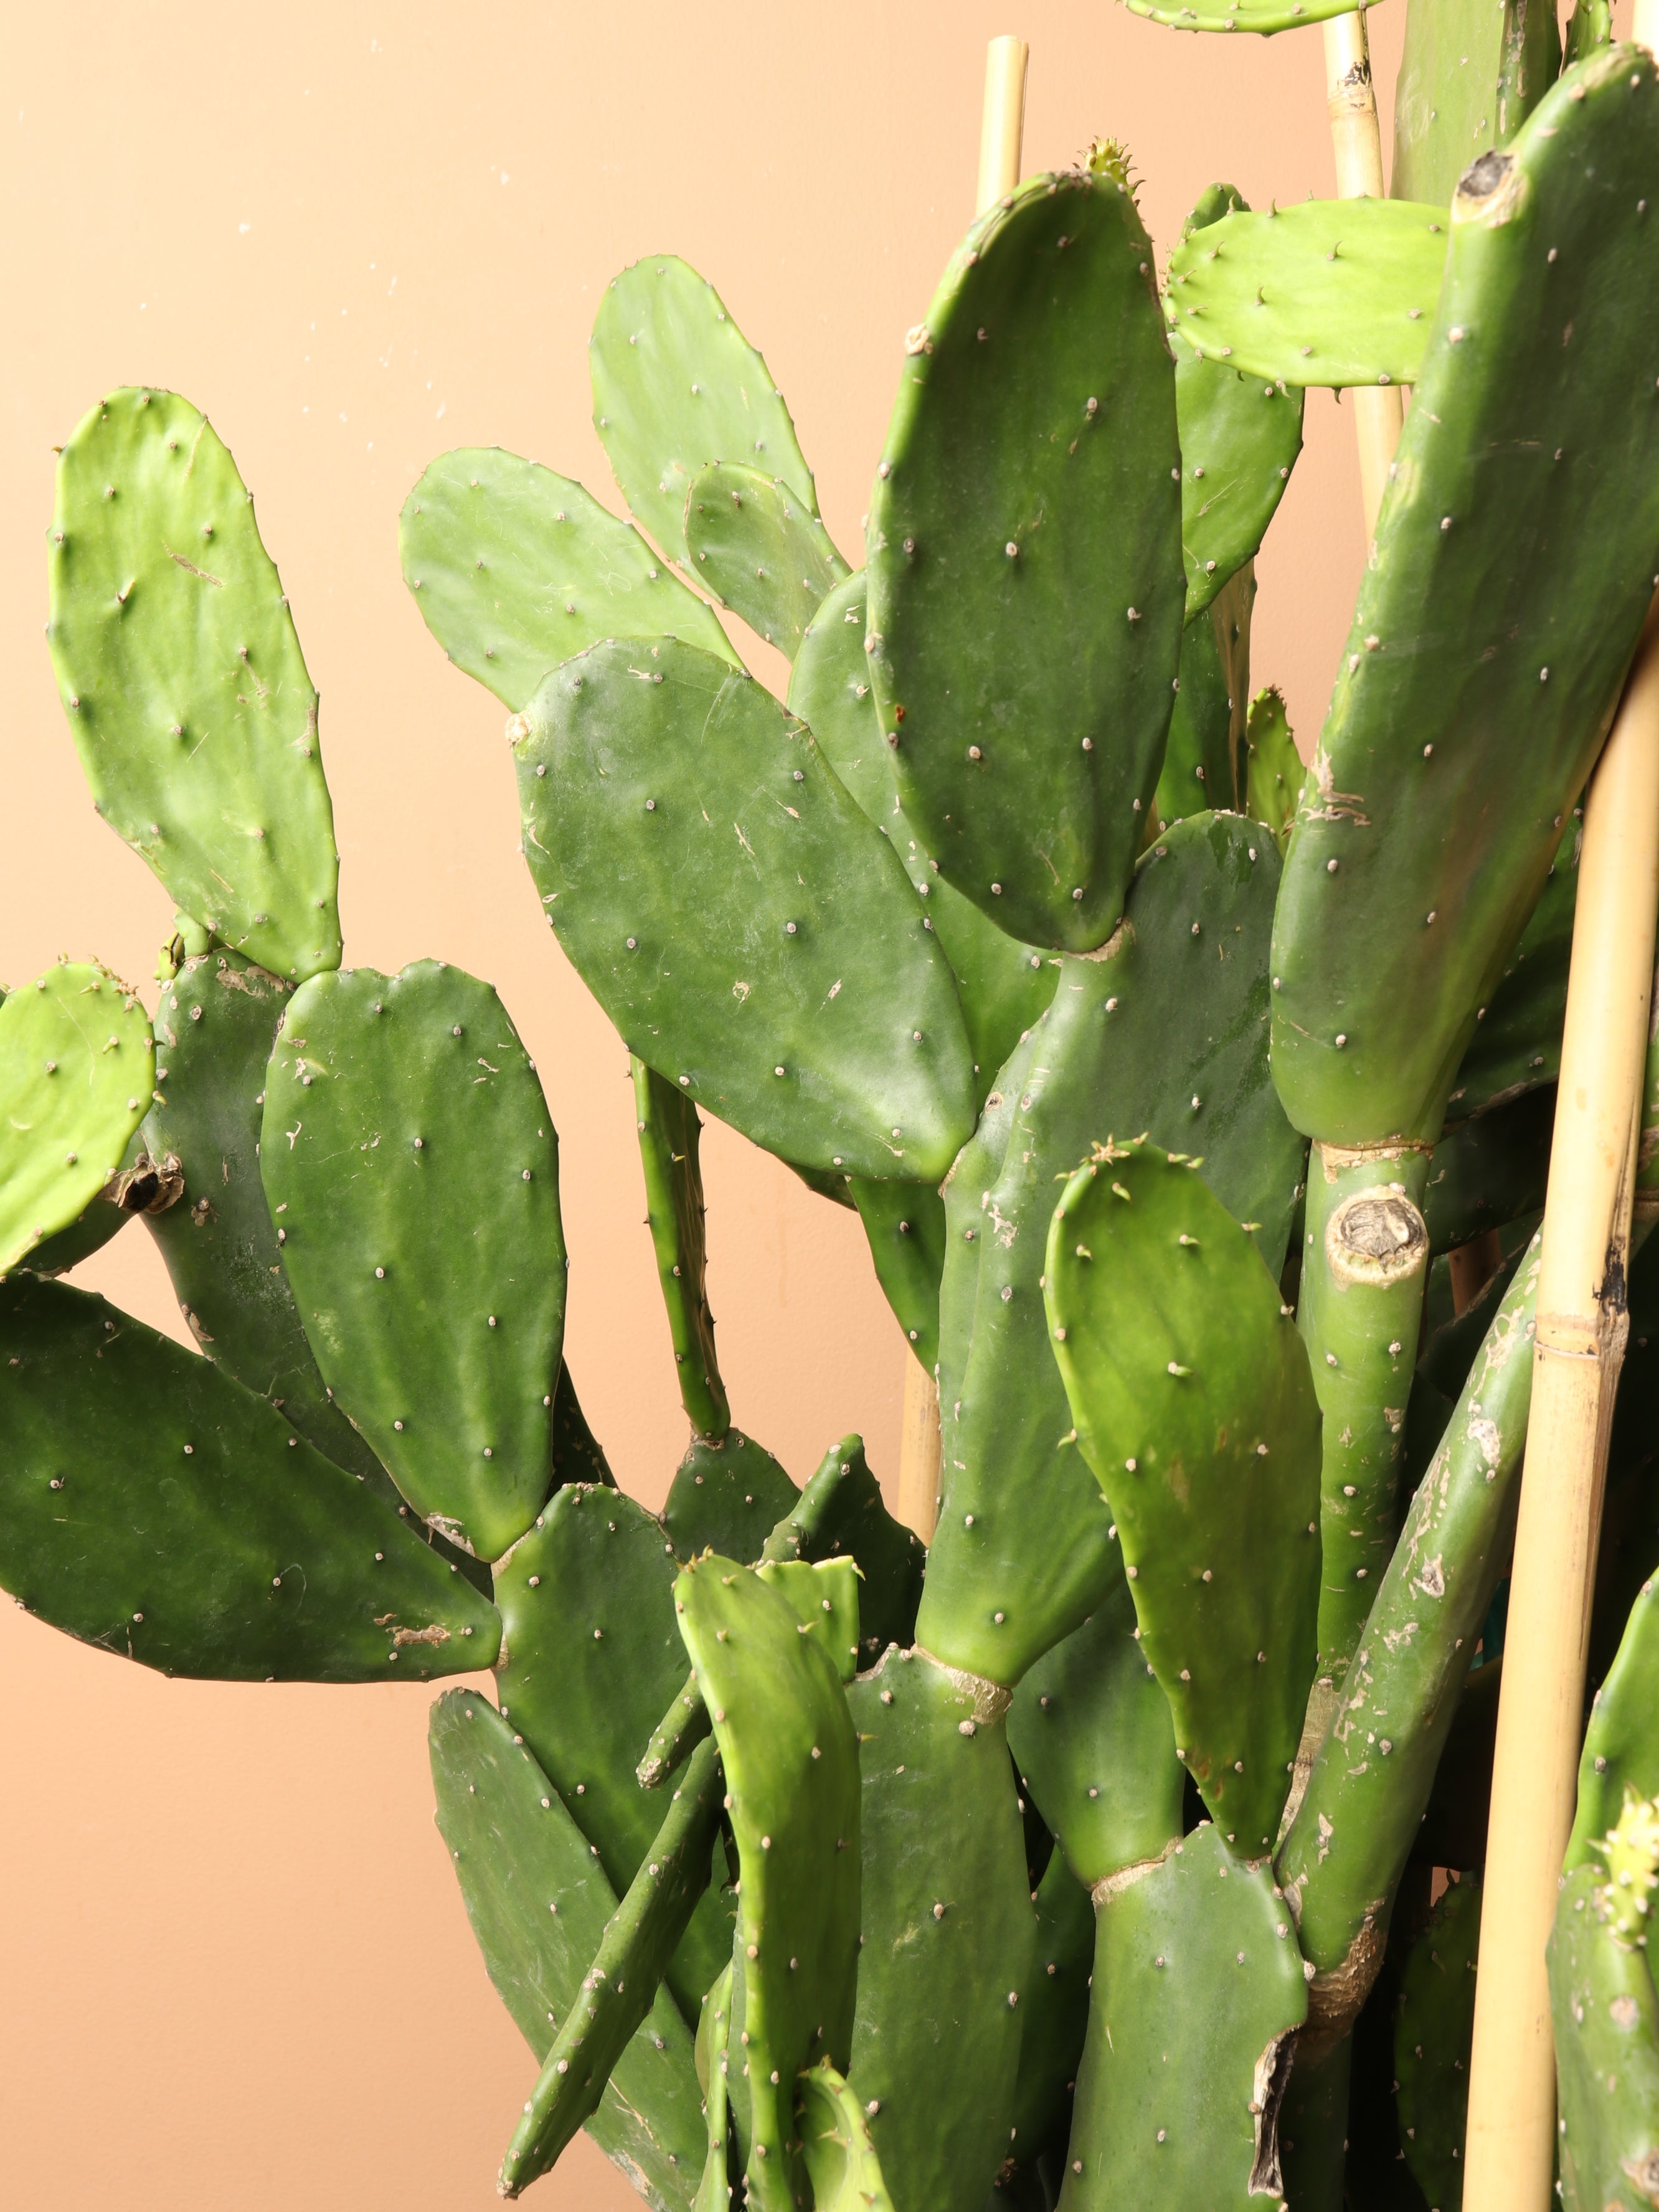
{"x":235,"y":1969}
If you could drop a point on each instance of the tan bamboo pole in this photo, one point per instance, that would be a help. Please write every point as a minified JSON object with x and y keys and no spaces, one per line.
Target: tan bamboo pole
{"x":1508,"y":2158}
{"x":1002,"y":128}
{"x":1357,"y":140}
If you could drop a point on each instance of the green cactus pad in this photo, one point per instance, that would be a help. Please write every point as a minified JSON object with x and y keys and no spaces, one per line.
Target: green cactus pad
{"x":905,"y":1225}
{"x":156,"y":1509}
{"x":1516,"y":1045}
{"x":514,"y":569}
{"x":1056,"y":2011}
{"x":842,"y":1513}
{"x":1607,"y":2054}
{"x":1197,"y":775}
{"x":1433,"y":2030}
{"x":946,"y":1964}
{"x":1372,"y":1774}
{"x":1195,"y":1409}
{"x":589,"y":1659}
{"x":1239,"y":440}
{"x":214,"y":1029}
{"x":183,"y":680}
{"x":1265,"y":16}
{"x":1175,"y":1012}
{"x":669,"y":1133}
{"x":1004,"y":985}
{"x":1331,"y":292}
{"x":676,"y":386}
{"x":1090,"y":1733}
{"x":539,"y":1905}
{"x":411,"y":1168}
{"x":1272,"y":765}
{"x":578,"y":1455}
{"x":1589,"y":26}
{"x":77,"y":1063}
{"x":1621,"y":1756}
{"x":646,"y":768}
{"x":1474,"y":698}
{"x":727,"y":1497}
{"x":1490,"y":1170}
{"x":1024,"y":561}
{"x":1197,"y":1988}
{"x":1445,"y":98}
{"x":713,"y":2042}
{"x":840,"y":2158}
{"x":619,"y":1989}
{"x":1364,"y":1256}
{"x":824,"y":1595}
{"x":761,"y":550}
{"x":830,"y":689}
{"x":791,"y":1759}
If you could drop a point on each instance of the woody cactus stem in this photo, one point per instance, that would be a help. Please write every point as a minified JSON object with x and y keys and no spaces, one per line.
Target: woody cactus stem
{"x":1364,"y":1253}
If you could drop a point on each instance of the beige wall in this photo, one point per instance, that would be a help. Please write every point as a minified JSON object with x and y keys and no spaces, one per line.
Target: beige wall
{"x":233,"y":1967}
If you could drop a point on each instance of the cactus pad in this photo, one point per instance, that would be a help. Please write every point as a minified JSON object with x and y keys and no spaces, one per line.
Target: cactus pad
{"x":1607,"y":2053}
{"x":156,"y":1509}
{"x":1024,"y":561}
{"x":1445,"y":99}
{"x":677,"y":385}
{"x":758,"y":547}
{"x":1272,"y":765}
{"x":77,"y":1072}
{"x":411,"y":1168}
{"x":905,"y":1225}
{"x":791,"y":1761}
{"x":1197,"y":1988}
{"x":946,"y":1963}
{"x":539,"y":1906}
{"x":1433,"y":2030}
{"x":1195,"y":1409}
{"x":183,"y":680}
{"x":1620,"y":1757}
{"x":1332,"y":292}
{"x":645,"y":770}
{"x":1516,"y":1045}
{"x":214,"y":1029}
{"x":1090,"y":1733}
{"x":1473,"y":699}
{"x":840,"y":2158}
{"x":842,"y":1514}
{"x":1265,"y":16}
{"x":514,"y":569}
{"x":619,"y":1989}
{"x":669,"y":1133}
{"x":1166,"y":1031}
{"x":726,"y":1496}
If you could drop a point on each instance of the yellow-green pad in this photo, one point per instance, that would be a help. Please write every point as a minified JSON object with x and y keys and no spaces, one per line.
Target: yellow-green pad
{"x":181,"y":674}
{"x":946,"y":1962}
{"x":1265,"y":17}
{"x":1433,"y":2030}
{"x":1607,"y":2054}
{"x":714,"y":2040}
{"x":676,"y":386}
{"x":792,"y":1771}
{"x":620,"y":1987}
{"x":1273,"y":767}
{"x":539,"y":1905}
{"x":1026,"y":589}
{"x":1195,"y":1409}
{"x":803,"y":1000}
{"x":759,"y":548}
{"x":1332,"y":292}
{"x":1621,"y":1756}
{"x":1198,"y":1985}
{"x":824,"y":1595}
{"x":412,"y":1170}
{"x":77,"y":1072}
{"x":1474,"y":696}
{"x":1445,"y":98}
{"x":840,"y":2158}
{"x":514,"y":569}
{"x":152,"y":1506}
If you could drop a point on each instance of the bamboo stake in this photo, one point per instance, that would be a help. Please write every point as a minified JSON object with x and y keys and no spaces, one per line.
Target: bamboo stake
{"x":1001,"y":130}
{"x":1509,"y":2159}
{"x":1351,"y":101}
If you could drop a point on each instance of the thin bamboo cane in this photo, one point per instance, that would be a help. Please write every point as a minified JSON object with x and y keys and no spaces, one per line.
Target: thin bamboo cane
{"x":1350,"y":99}
{"x":1509,"y":2159}
{"x":1002,"y":130}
